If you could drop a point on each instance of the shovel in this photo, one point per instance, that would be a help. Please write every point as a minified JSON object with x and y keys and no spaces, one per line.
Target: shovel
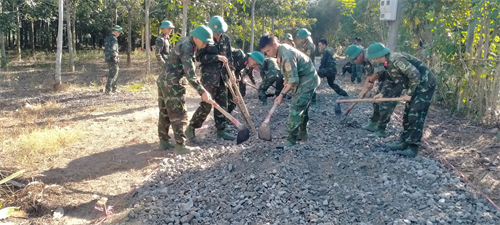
{"x":236,"y":92}
{"x":249,"y":84}
{"x":243,"y":131}
{"x":338,"y":109}
{"x":264,"y":129}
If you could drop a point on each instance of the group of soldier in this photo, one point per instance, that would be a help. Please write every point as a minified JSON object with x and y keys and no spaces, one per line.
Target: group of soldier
{"x":289,"y":67}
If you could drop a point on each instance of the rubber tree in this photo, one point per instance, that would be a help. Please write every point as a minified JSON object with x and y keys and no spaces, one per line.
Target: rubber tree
{"x":252,"y":32}
{"x":147,"y":36}
{"x":2,"y":40}
{"x":59,"y":42}
{"x":185,"y":5}
{"x":69,"y":36}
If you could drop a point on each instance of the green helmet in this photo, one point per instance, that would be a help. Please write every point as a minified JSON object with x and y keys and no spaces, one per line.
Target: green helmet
{"x":203,"y":33}
{"x":353,"y":51}
{"x":217,"y":25}
{"x":257,"y":56}
{"x":167,"y":24}
{"x":118,"y":28}
{"x":288,"y":36}
{"x":376,"y":50}
{"x":303,"y":33}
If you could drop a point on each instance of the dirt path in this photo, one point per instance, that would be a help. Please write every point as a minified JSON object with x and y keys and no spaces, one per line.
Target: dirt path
{"x":117,"y":148}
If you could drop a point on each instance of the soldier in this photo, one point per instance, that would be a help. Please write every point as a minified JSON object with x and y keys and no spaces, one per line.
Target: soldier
{"x":301,"y":81}
{"x":357,"y":68}
{"x":214,"y":76}
{"x":111,"y":54}
{"x":420,"y":84}
{"x":172,"y":88}
{"x":328,"y":66}
{"x":289,"y":39}
{"x":381,"y":111}
{"x":163,"y":42}
{"x":240,"y":62}
{"x":269,"y":72}
{"x":307,"y":47}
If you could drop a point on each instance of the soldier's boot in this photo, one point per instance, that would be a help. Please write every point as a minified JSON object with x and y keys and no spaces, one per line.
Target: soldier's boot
{"x":183,"y":149}
{"x":165,"y":145}
{"x":411,"y":151}
{"x":264,"y":103}
{"x":290,"y":143}
{"x":190,"y":135}
{"x":372,"y":126}
{"x":302,"y":136}
{"x":225,"y":135}
{"x":344,"y":93}
{"x":379,"y":133}
{"x":398,"y":146}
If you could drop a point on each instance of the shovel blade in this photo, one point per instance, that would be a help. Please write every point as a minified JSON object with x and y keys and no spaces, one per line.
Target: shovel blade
{"x":265,"y":132}
{"x":338,"y":109}
{"x":243,"y":135}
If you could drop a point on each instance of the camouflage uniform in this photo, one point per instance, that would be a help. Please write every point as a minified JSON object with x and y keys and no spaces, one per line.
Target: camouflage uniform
{"x":328,"y":69}
{"x":308,"y":48}
{"x":420,"y":84}
{"x":213,"y":81}
{"x":240,"y":62}
{"x":179,"y":69}
{"x":111,"y":54}
{"x":299,"y":69}
{"x":270,"y":74}
{"x":162,"y":49}
{"x":357,"y":70}
{"x":224,"y":48}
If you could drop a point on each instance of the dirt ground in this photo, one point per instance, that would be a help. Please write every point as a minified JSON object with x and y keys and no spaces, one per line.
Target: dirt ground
{"x":117,"y":144}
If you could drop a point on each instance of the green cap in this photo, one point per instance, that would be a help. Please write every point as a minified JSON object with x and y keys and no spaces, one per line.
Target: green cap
{"x":288,"y":36}
{"x":217,"y":25}
{"x":303,"y":33}
{"x":203,"y":33}
{"x":118,"y":28}
{"x":167,"y":24}
{"x":376,"y":50}
{"x":257,"y":56}
{"x":353,"y":51}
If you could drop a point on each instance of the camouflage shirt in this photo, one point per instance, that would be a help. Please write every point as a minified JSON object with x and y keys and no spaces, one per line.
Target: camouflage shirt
{"x":111,"y":48}
{"x":162,"y":47}
{"x":328,"y":62}
{"x":239,"y":60}
{"x":295,"y":66}
{"x":308,"y":48}
{"x":409,"y":71}
{"x":211,"y":67}
{"x":181,"y":63}
{"x":224,"y":46}
{"x":270,"y":68}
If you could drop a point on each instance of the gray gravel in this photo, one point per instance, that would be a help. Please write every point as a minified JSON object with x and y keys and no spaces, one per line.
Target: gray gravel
{"x":338,"y":176}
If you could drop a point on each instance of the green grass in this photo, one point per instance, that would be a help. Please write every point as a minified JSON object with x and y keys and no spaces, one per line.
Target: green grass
{"x":134,"y":87}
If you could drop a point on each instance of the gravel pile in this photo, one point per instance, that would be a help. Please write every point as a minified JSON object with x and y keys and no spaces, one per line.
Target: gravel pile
{"x":338,"y":176}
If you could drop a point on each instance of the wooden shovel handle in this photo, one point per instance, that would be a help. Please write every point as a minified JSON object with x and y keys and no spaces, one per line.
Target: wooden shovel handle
{"x":370,"y":100}
{"x":226,"y":114}
{"x":268,"y":117}
{"x":350,"y":108}
{"x":249,"y":84}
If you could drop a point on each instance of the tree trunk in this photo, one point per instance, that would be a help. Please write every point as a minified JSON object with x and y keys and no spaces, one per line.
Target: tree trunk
{"x":469,"y":40}
{"x":142,"y":39}
{"x":18,"y":39}
{"x":129,"y":35}
{"x":2,"y":40}
{"x":70,"y":36}
{"x":147,"y":36}
{"x":243,"y":45}
{"x":263,"y":25}
{"x":253,"y":27}
{"x":48,"y":36}
{"x":73,"y":27}
{"x":185,"y":4}
{"x":272,"y":26}
{"x":32,"y":37}
{"x":59,"y":42}
{"x":392,"y":37}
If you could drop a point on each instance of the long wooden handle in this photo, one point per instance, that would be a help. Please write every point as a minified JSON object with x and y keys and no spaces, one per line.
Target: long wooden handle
{"x":268,"y":117}
{"x":249,"y":84}
{"x":370,"y":100}
{"x":226,"y":114}
{"x":241,"y":103}
{"x":350,"y":108}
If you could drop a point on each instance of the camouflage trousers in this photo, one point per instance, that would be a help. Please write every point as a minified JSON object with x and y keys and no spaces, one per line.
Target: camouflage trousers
{"x":298,"y":116}
{"x":173,"y":111}
{"x":267,"y":83}
{"x":357,"y":72}
{"x":416,"y":111}
{"x":220,"y":95}
{"x":330,"y":77}
{"x":382,"y":111}
{"x":112,"y":77}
